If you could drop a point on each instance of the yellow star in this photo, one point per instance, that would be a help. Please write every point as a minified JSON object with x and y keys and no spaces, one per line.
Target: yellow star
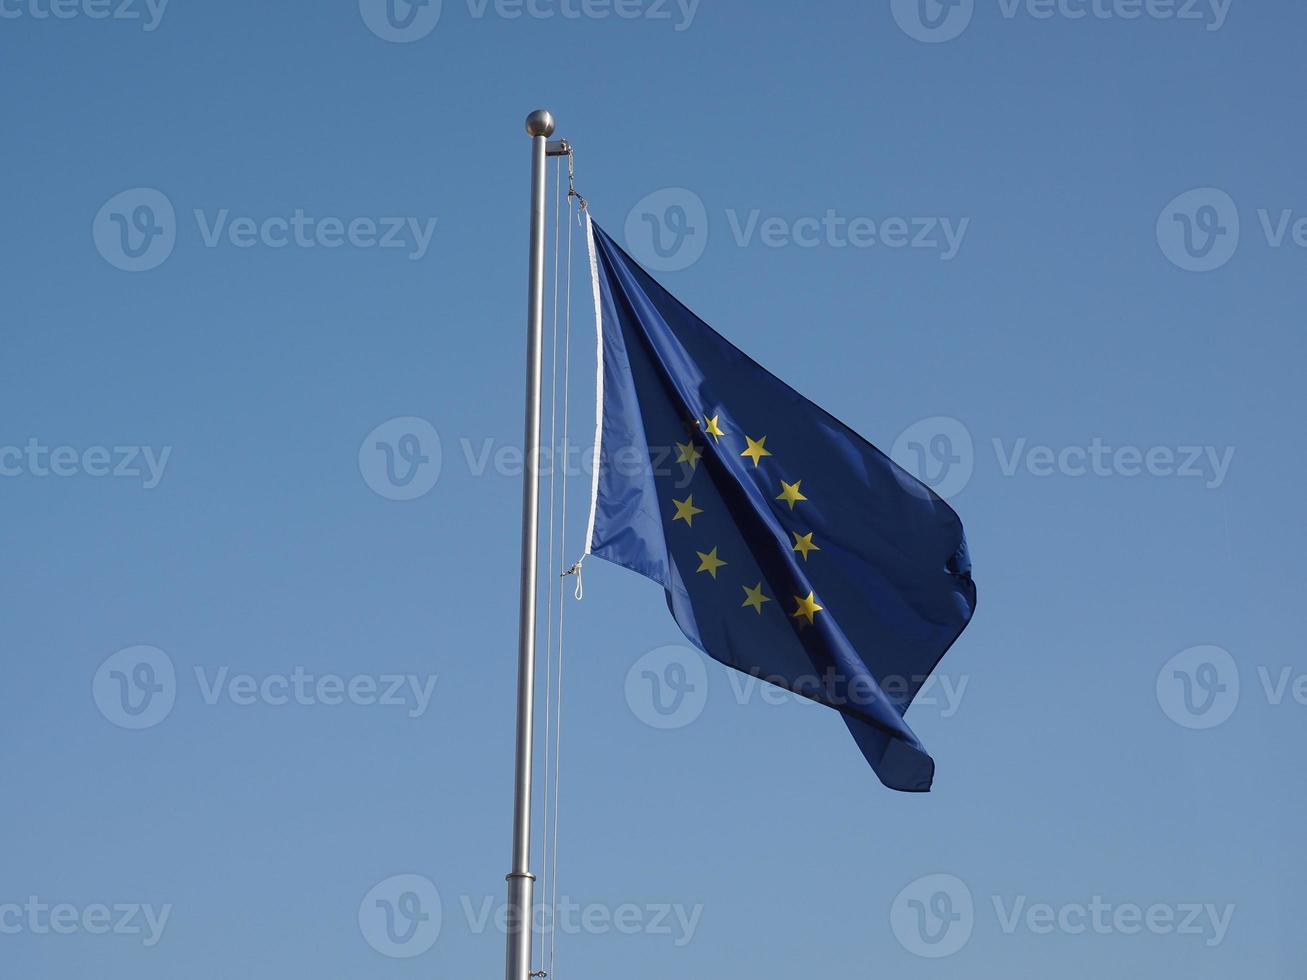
{"x":755,"y":597}
{"x":790,"y":493}
{"x":807,"y":608}
{"x":803,"y":543}
{"x":688,"y":453}
{"x":713,"y":428}
{"x":757,"y":450}
{"x":709,"y":563}
{"x":685,"y":511}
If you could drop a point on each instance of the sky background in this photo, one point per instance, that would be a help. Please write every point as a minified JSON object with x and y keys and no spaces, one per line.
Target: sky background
{"x":1127,"y":732}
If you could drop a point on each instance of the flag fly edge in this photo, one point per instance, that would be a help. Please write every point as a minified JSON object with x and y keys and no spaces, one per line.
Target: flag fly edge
{"x":599,"y":382}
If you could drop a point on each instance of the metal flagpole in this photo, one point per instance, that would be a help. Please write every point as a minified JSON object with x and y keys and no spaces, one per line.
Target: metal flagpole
{"x":540,"y":126}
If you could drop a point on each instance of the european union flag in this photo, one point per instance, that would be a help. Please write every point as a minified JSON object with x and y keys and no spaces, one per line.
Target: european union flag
{"x":790,"y":548}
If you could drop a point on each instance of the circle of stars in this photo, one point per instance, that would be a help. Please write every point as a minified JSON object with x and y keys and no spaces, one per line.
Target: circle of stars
{"x":791,"y":494}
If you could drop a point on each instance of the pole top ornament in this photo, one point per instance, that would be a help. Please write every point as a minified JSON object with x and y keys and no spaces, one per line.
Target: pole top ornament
{"x":540,"y":123}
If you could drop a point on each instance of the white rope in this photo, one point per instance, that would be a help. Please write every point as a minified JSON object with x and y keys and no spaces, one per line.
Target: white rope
{"x":550,"y":557}
{"x":555,"y":643}
{"x":599,"y":390}
{"x":562,"y":602}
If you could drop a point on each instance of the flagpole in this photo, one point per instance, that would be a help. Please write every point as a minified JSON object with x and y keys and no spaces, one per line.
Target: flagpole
{"x":539,"y":126}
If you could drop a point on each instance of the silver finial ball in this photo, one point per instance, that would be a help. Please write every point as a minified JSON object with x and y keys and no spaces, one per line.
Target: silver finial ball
{"x":540,"y":123}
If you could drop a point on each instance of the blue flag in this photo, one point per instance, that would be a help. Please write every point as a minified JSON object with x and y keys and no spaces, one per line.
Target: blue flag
{"x":789,"y":547}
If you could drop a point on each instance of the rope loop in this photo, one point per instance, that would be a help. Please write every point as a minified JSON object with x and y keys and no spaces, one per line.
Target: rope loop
{"x":576,"y":570}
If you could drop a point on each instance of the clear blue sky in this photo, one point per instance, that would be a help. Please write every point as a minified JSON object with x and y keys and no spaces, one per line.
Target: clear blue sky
{"x":1083,"y":307}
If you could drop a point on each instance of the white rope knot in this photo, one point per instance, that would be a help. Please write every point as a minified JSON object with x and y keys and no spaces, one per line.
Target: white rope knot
{"x":580,"y":585}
